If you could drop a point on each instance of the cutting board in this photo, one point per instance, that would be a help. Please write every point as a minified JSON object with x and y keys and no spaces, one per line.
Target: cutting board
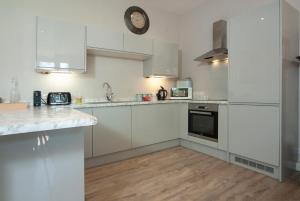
{"x":13,"y":106}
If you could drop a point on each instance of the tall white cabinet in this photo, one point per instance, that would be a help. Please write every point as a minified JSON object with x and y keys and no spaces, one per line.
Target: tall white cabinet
{"x":256,"y":90}
{"x":254,"y":56}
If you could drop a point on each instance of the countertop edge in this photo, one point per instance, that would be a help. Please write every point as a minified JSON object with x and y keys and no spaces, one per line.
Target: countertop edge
{"x":134,"y":103}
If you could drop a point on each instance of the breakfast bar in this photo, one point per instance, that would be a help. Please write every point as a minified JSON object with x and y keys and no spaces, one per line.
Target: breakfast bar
{"x":42,"y":154}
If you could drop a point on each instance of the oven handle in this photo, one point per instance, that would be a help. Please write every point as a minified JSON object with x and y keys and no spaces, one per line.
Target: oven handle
{"x":199,"y":112}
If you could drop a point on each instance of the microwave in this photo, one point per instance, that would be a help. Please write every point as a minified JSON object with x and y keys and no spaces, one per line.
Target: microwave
{"x":184,"y":93}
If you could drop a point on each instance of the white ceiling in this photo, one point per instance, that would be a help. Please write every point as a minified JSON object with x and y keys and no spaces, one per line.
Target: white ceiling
{"x":175,"y":6}
{"x":180,"y":7}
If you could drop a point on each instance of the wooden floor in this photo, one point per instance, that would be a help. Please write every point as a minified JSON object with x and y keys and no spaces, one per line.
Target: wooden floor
{"x":179,"y":174}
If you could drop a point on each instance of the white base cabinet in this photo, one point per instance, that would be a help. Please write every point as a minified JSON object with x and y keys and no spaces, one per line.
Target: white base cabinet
{"x":183,"y":120}
{"x":254,"y":132}
{"x":154,"y":123}
{"x":88,"y":136}
{"x":223,"y":127}
{"x":113,"y":131}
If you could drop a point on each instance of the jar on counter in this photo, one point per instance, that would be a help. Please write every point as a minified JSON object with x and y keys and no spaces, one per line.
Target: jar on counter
{"x":139,"y":97}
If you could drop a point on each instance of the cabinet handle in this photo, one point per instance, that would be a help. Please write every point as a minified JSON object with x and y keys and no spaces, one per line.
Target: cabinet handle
{"x":198,"y":112}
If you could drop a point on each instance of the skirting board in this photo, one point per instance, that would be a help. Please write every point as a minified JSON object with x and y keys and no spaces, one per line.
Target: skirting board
{"x":118,"y":156}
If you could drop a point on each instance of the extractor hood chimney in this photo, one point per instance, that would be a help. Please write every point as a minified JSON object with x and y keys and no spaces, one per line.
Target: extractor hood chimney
{"x":220,"y":51}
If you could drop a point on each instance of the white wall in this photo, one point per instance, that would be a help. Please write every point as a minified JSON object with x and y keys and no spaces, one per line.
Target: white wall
{"x":17,"y":47}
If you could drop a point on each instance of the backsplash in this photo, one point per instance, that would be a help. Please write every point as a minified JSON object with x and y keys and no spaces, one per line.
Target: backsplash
{"x":125,"y":77}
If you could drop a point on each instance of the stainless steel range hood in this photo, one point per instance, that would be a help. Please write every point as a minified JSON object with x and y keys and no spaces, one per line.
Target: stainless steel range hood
{"x":220,"y":51}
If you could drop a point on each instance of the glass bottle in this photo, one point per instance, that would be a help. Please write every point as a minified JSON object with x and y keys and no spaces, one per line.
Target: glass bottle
{"x":14,"y":91}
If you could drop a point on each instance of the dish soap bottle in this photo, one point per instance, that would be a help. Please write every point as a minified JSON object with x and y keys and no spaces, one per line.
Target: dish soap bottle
{"x":14,"y":91}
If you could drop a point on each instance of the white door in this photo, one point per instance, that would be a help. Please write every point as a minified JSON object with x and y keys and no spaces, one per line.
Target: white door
{"x":223,"y":127}
{"x":60,"y":45}
{"x":88,"y":136}
{"x":113,"y":131}
{"x":101,"y":38}
{"x":183,"y":120}
{"x":154,"y":124}
{"x":254,"y":56}
{"x":164,"y":61}
{"x":138,"y":44}
{"x":254,"y":132}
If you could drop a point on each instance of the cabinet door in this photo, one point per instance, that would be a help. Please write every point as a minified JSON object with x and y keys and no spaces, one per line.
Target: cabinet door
{"x":138,"y":44}
{"x":254,"y":132}
{"x":154,"y":124}
{"x":183,"y":120}
{"x":254,"y":56}
{"x":60,"y":45}
{"x":164,"y":61}
{"x":98,"y":37}
{"x":223,"y":127}
{"x":113,"y":131}
{"x":88,"y":136}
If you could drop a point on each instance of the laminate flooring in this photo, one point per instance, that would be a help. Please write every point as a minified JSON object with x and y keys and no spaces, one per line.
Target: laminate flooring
{"x":180,"y":174}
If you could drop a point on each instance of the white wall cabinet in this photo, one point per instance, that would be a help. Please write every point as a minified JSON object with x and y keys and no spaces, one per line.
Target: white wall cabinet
{"x":113,"y":131}
{"x":103,"y":42}
{"x":138,"y":44}
{"x":164,"y":61}
{"x":88,"y":136}
{"x":254,"y":132}
{"x":154,"y":124}
{"x":60,"y":46}
{"x":254,"y":52}
{"x":98,"y":37}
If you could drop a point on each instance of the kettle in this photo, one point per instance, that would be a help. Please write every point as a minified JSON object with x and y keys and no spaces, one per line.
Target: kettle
{"x":161,"y":94}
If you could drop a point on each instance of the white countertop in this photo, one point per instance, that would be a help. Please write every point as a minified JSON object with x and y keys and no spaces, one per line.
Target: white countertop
{"x":60,"y":117}
{"x":131,"y":103}
{"x":42,"y":119}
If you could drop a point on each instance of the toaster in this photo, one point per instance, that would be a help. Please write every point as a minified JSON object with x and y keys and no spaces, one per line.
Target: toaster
{"x":59,"y":98}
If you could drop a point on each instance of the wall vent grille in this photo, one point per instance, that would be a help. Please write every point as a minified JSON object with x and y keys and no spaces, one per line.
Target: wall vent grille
{"x":254,"y":165}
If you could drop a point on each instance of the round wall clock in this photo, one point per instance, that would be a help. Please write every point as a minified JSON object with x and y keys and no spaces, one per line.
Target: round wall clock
{"x":137,"y":20}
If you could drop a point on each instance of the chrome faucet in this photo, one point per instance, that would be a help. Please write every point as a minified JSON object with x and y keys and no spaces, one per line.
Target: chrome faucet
{"x":109,"y":94}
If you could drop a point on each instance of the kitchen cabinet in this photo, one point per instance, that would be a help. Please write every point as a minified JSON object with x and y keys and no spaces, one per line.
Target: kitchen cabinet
{"x":88,"y":136}
{"x":154,"y":124}
{"x":164,"y":61}
{"x":223,"y":127}
{"x":183,"y":120}
{"x":107,"y":43}
{"x":138,"y":44}
{"x":254,"y":132}
{"x":113,"y":131}
{"x":60,"y":46}
{"x":98,"y":37}
{"x":254,"y":52}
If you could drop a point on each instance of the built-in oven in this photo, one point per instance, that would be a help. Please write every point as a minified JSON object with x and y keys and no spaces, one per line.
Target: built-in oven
{"x":203,"y":121}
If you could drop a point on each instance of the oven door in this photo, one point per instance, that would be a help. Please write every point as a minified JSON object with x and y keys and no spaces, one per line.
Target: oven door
{"x":203,"y":124}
